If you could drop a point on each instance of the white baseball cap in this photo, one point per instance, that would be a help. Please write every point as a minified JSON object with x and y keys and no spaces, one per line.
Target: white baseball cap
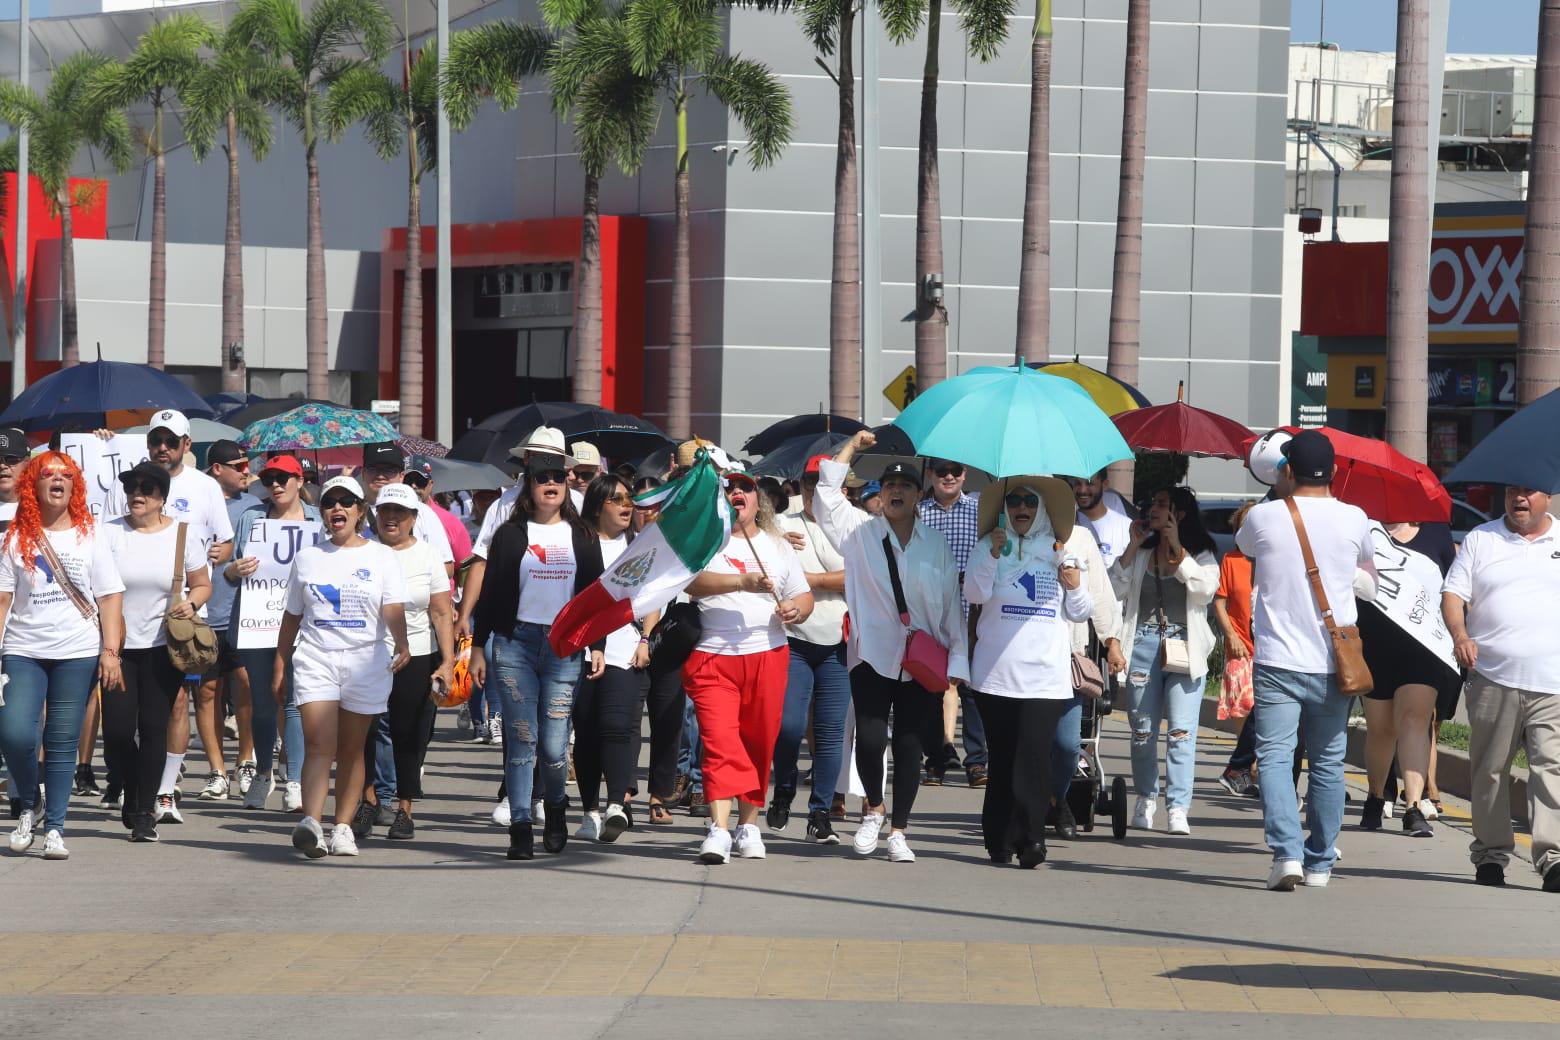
{"x":585,"y":454}
{"x":172,"y":421}
{"x":350,"y":484}
{"x":397,"y":495}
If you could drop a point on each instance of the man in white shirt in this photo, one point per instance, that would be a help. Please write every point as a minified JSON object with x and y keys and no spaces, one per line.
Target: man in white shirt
{"x":1500,"y":602}
{"x":1296,"y":688}
{"x":1111,"y":527}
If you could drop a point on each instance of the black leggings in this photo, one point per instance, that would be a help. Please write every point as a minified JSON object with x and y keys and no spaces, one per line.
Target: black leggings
{"x":1019,"y":735}
{"x":606,"y":728}
{"x":874,"y":696}
{"x":665,"y":704}
{"x":135,"y":724}
{"x":410,"y":716}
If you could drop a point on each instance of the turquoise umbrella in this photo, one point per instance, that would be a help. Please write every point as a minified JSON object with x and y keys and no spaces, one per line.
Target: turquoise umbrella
{"x":313,"y":426}
{"x":1013,"y":421}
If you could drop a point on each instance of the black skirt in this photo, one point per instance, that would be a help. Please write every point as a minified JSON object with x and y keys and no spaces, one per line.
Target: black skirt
{"x":1396,"y":659}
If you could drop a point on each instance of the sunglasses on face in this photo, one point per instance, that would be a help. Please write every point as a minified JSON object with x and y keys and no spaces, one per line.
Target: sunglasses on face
{"x":621,"y":499}
{"x":164,"y":441}
{"x":143,"y":487}
{"x":339,"y":501}
{"x":551,"y":476}
{"x":57,"y":472}
{"x":10,"y":460}
{"x":1016,"y":499}
{"x":949,"y":470}
{"x":275,"y":478}
{"x":416,"y":480}
{"x":585,"y":476}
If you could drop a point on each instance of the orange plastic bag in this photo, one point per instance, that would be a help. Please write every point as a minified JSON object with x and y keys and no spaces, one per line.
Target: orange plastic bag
{"x":460,"y":690}
{"x":1236,"y":695}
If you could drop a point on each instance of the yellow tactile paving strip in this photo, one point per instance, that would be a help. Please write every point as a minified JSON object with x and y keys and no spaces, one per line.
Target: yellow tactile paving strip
{"x":745,"y":967}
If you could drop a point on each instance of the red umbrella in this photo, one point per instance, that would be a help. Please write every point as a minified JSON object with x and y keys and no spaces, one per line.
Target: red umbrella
{"x":1388,"y":485}
{"x":1183,"y":430}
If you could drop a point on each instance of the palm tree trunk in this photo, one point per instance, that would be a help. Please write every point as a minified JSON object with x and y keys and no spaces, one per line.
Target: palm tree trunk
{"x":412,"y":307}
{"x":931,"y":317}
{"x":1538,"y":350}
{"x":1127,"y":275}
{"x":1408,"y":235}
{"x":315,"y":326}
{"x":70,"y":343}
{"x":587,"y":309}
{"x":845,"y":276}
{"x":157,"y":294}
{"x":1034,"y":261}
{"x":679,"y":360}
{"x":234,"y":377}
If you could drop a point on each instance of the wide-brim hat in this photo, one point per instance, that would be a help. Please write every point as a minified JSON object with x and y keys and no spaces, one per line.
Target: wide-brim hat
{"x":1055,"y":495}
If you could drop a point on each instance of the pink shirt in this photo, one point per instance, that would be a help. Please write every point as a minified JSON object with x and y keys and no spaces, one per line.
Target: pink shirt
{"x":460,"y":541}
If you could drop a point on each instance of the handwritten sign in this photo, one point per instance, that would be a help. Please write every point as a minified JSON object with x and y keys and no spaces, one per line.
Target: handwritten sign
{"x":101,"y":463}
{"x":263,"y":595}
{"x":1408,"y":592}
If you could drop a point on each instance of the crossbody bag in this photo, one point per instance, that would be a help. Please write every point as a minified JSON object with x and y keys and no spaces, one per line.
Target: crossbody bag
{"x":192,"y":645}
{"x":78,"y":599}
{"x":1354,"y":678}
{"x":925,"y":660}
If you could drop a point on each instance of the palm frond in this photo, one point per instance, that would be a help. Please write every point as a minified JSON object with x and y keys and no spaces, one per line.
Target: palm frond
{"x":489,"y":61}
{"x":902,"y":18}
{"x":985,"y":24}
{"x":365,"y":95}
{"x":651,"y":28}
{"x":821,"y":22}
{"x":759,"y":101}
{"x":335,"y":24}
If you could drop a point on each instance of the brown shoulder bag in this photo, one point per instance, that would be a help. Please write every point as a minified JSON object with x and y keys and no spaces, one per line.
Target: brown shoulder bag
{"x":1354,"y":678}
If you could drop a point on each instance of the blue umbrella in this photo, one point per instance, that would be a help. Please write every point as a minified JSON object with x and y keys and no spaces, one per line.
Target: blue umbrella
{"x":82,"y":395}
{"x":1523,"y":451}
{"x":1013,"y":421}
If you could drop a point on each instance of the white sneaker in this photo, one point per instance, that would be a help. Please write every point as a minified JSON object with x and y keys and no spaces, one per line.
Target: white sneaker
{"x":1143,"y":814}
{"x":216,"y":787}
{"x":614,"y":823}
{"x":1427,"y":807}
{"x":590,"y":827}
{"x":866,"y":840}
{"x":539,"y":812}
{"x":168,"y":809}
{"x":750,"y":843}
{"x":1284,"y":875}
{"x":230,"y":727}
{"x":54,"y":846}
{"x":342,"y":842}
{"x":1317,"y":878}
{"x":247,"y":771}
{"x":1387,"y":809}
{"x":308,"y":838}
{"x":1175,"y":820}
{"x":292,"y":796}
{"x":495,"y":730}
{"x":260,"y":789}
{"x":501,"y":813}
{"x":22,"y":837}
{"x":899,"y":849}
{"x":716,"y":847}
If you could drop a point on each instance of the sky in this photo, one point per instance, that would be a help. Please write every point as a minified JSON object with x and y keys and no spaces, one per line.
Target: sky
{"x":1477,"y":26}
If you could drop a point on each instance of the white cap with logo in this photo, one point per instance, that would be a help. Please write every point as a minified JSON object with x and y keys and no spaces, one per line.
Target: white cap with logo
{"x":172,"y":421}
{"x":349,"y":484}
{"x":585,"y":454}
{"x":397,"y":495}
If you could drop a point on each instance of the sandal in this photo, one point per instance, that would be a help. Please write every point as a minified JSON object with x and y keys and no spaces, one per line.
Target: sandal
{"x":660,"y":814}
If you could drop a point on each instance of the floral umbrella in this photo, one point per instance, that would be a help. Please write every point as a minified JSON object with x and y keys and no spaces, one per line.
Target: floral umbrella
{"x":314,"y":426}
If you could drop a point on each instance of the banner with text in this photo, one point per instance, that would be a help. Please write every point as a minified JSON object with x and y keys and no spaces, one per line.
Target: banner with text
{"x":101,"y":463}
{"x":1408,"y":592}
{"x":263,"y":595}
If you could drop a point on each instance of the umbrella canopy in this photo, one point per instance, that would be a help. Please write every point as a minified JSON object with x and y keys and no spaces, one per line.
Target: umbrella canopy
{"x":265,"y":408}
{"x":614,"y":434}
{"x":788,"y":459}
{"x":231,"y":401}
{"x":82,"y":395}
{"x":770,"y":438}
{"x":202,"y":431}
{"x":1111,"y":394}
{"x":893,"y":445}
{"x":1523,"y":451}
{"x":310,"y":427}
{"x":1182,"y":430}
{"x":1012,"y":421}
{"x":421,"y":446}
{"x":455,"y":475}
{"x":1388,"y":485}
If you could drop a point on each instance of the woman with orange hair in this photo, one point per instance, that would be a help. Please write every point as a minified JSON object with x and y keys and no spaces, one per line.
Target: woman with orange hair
{"x":61,"y":626}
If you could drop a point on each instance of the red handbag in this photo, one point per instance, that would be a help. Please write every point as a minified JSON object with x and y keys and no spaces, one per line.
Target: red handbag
{"x":925,"y":660}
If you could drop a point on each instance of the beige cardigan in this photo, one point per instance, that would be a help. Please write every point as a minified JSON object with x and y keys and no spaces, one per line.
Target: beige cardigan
{"x":1200,"y":575}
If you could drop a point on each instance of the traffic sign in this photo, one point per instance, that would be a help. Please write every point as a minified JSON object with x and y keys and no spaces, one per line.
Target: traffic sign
{"x":901,"y":390}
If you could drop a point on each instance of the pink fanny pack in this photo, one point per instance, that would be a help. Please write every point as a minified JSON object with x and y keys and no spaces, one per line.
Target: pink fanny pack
{"x":925,"y":660}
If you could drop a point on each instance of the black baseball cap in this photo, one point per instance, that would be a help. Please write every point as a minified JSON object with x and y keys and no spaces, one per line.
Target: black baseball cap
{"x":903,"y":471}
{"x":1309,"y":455}
{"x":13,"y":442}
{"x":384,"y":453}
{"x":225,"y":452}
{"x":147,"y":471}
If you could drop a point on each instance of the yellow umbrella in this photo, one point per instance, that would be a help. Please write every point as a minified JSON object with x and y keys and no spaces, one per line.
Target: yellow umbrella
{"x":1111,"y":394}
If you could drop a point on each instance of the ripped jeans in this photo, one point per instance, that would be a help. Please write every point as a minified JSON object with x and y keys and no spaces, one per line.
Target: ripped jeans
{"x":1160,"y":696}
{"x":536,"y":688}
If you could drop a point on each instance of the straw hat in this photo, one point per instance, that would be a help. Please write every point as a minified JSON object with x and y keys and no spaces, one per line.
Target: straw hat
{"x":688,"y":449}
{"x":1055,"y":495}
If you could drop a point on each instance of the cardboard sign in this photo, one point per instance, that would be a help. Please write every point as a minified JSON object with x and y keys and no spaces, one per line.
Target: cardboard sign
{"x":101,"y":463}
{"x":263,"y":595}
{"x":1408,"y":592}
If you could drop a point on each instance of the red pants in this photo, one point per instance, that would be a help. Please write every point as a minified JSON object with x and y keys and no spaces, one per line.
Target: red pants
{"x":739,"y":701}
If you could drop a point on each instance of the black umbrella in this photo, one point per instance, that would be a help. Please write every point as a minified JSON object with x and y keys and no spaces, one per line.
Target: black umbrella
{"x":789,"y":459}
{"x":767,"y":440}
{"x":1523,"y":451}
{"x":83,"y":395}
{"x":616,"y":435}
{"x":267,"y":408}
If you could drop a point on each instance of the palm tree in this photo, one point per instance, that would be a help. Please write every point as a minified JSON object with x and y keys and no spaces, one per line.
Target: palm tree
{"x":65,"y":119}
{"x":1127,"y":272}
{"x":165,"y":62}
{"x":392,"y":113}
{"x":306,"y":55}
{"x":224,"y":94}
{"x":1408,"y":235}
{"x":1538,"y":354}
{"x":1034,"y":260}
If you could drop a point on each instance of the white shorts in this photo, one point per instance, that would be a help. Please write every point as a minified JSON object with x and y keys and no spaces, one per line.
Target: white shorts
{"x":360,"y":680}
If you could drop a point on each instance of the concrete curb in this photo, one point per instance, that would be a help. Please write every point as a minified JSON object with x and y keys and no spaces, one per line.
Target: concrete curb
{"x":1453,"y":770}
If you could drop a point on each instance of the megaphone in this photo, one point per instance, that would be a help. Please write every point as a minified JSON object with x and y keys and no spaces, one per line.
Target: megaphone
{"x":1267,"y":455}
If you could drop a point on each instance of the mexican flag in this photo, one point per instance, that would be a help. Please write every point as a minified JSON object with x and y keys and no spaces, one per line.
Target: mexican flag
{"x":692,"y":522}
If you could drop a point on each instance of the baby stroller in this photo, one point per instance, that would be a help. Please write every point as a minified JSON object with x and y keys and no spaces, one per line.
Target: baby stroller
{"x":1093,"y":793}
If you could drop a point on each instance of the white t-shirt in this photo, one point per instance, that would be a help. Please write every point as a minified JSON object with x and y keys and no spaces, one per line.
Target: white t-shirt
{"x":1287,"y":625}
{"x":546,"y":573}
{"x":198,"y":500}
{"x":621,"y":643}
{"x":43,"y":624}
{"x":1512,"y":588}
{"x":424,"y":575}
{"x":745,"y":622}
{"x":7,"y":513}
{"x":145,"y":563}
{"x":428,"y":529}
{"x":1023,"y":645}
{"x":341,"y":593}
{"x":1112,"y":532}
{"x":826,"y":625}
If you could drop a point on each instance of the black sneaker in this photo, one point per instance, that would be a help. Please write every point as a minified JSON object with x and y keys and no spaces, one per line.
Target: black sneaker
{"x":1370,"y":815}
{"x":934,"y":775}
{"x":402,"y":828}
{"x":1552,"y":879}
{"x":86,"y":781}
{"x":363,"y":821}
{"x":1493,"y":875}
{"x":1031,"y":854}
{"x":522,"y":844}
{"x":386,"y":814}
{"x":1066,"y":825}
{"x":1415,"y":825}
{"x":112,"y":793}
{"x":780,"y":809}
{"x":143,"y":828}
{"x":977,"y":775}
{"x":555,"y":829}
{"x":819,"y":828}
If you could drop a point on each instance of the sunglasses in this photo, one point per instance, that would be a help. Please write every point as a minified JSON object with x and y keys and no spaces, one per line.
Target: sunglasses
{"x":339,"y":501}
{"x":56,"y":471}
{"x":551,"y":476}
{"x":951,"y":469}
{"x":621,"y":500}
{"x":10,"y":460}
{"x":586,"y":475}
{"x":275,"y":477}
{"x":143,"y":487}
{"x":416,"y":480}
{"x":1015,"y":500}
{"x":164,"y":441}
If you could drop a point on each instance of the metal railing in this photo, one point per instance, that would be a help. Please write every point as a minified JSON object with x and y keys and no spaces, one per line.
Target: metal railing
{"x":1356,"y":108}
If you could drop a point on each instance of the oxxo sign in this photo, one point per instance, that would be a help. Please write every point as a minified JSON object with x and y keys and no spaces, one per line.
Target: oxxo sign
{"x":1476,"y":273}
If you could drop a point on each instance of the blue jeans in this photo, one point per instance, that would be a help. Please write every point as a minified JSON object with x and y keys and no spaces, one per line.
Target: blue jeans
{"x":260,"y":663}
{"x":1291,"y":705}
{"x":690,"y":758}
{"x":819,"y":680}
{"x":384,"y":762}
{"x":1066,"y":746}
{"x":1159,"y":696}
{"x":479,"y":706}
{"x":537,"y":687}
{"x":64,"y":686}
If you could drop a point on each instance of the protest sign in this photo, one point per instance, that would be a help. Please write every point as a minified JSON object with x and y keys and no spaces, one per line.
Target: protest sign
{"x":263,"y":595}
{"x":101,"y":463}
{"x":1408,"y":592}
